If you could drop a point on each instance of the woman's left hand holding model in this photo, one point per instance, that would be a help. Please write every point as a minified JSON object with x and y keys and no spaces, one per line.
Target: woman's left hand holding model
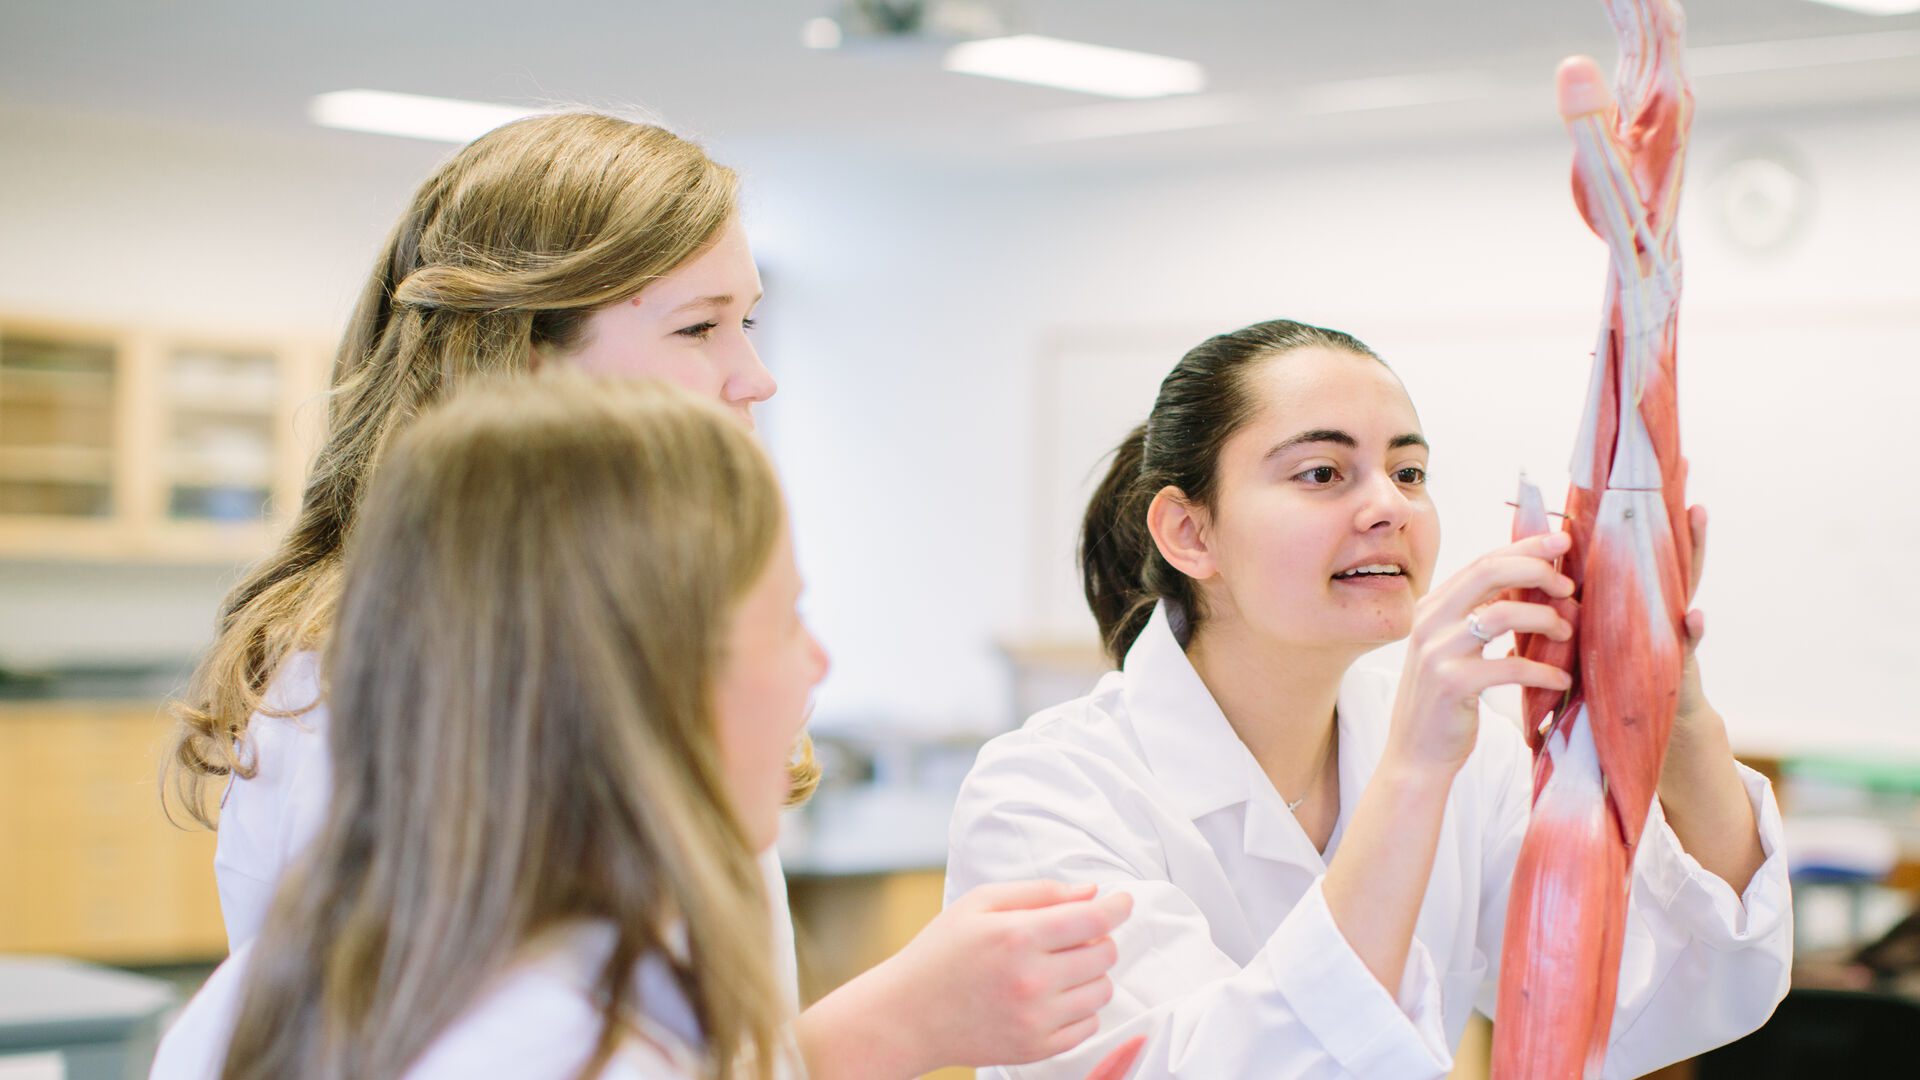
{"x":1700,"y":790}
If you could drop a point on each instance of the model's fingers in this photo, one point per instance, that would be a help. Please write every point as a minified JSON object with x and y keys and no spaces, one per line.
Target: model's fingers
{"x":1018,"y":895}
{"x":1580,"y":89}
{"x":1117,"y":1065}
{"x":1068,"y":925}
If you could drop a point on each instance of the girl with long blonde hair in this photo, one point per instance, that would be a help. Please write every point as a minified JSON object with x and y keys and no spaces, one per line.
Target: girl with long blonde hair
{"x":591,"y":242}
{"x":565,"y":668}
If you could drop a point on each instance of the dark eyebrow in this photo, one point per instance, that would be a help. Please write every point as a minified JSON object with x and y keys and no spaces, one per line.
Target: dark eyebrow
{"x":1340,"y":438}
{"x":1317,"y":435}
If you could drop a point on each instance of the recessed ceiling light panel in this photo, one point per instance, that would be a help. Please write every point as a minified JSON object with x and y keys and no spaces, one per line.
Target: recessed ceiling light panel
{"x":1076,"y":65}
{"x":1874,"y":7}
{"x":411,"y":115}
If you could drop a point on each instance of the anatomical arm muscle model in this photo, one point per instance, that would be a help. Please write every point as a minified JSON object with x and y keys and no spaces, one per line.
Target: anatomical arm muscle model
{"x":1601,"y":747}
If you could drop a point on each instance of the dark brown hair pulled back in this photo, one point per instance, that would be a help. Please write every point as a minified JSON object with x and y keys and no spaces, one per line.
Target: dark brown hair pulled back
{"x":1202,"y":402}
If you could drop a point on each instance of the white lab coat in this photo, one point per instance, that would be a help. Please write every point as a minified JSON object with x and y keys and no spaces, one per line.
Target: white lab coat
{"x":536,"y":1021}
{"x":1231,"y":964}
{"x":268,"y":819}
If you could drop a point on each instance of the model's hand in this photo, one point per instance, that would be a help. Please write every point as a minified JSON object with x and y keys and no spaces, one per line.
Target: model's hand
{"x":1436,"y":716}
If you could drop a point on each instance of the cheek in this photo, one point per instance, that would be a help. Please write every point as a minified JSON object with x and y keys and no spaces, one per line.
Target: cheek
{"x":622,"y":345}
{"x":769,"y":712}
{"x":1424,"y":533}
{"x":633,"y":360}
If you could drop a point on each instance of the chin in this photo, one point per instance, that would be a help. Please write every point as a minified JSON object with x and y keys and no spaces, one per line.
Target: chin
{"x":1384,"y":631}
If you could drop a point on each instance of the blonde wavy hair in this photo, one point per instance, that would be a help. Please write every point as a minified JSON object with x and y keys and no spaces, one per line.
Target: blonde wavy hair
{"x":507,"y":248}
{"x":533,"y":615}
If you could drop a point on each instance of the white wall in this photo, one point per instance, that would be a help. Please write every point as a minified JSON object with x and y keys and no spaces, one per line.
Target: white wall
{"x":911,"y":307}
{"x":908,"y":433}
{"x":103,"y":220}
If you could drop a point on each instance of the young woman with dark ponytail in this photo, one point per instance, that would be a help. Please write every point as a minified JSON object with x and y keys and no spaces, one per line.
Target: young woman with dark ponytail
{"x":1320,"y":854}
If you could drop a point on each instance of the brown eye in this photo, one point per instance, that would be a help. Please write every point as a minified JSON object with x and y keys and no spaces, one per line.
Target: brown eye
{"x":1412,"y":475}
{"x":1325,"y":474}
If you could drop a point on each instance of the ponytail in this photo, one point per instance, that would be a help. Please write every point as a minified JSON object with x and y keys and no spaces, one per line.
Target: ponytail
{"x":1115,"y":547}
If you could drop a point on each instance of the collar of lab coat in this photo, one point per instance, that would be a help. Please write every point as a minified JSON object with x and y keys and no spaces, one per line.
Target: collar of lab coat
{"x":1203,"y":764}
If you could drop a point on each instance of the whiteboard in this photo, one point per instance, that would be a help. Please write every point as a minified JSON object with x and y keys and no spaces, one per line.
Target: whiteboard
{"x":1796,"y":424}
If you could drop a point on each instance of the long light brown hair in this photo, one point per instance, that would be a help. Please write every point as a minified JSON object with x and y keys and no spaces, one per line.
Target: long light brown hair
{"x":535,"y":607}
{"x":507,"y":248}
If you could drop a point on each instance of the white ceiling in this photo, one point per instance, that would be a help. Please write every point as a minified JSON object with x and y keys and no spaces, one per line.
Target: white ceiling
{"x":734,"y":69}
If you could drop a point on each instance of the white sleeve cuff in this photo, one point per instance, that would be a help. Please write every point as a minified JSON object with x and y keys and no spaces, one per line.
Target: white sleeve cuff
{"x":1367,"y":1030}
{"x":1701,"y":903}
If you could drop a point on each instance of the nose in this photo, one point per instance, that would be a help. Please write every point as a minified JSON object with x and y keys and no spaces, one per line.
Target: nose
{"x":1383,"y":506}
{"x":822,"y":663}
{"x":748,"y":381}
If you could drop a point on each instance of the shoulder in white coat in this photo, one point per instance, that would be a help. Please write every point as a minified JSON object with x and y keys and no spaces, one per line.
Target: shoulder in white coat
{"x":537,"y":1021}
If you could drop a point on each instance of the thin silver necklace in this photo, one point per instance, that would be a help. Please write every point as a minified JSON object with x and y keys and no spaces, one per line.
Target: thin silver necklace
{"x":1333,"y":744}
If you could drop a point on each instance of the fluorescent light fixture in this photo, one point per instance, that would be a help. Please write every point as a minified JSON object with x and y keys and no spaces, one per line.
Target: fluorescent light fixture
{"x":1391,"y":92}
{"x":1116,"y":118}
{"x":384,"y":113}
{"x":1803,"y":52}
{"x":1076,"y":65}
{"x":1874,"y":7}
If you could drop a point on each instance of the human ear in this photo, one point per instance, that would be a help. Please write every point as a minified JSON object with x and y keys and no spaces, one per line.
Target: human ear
{"x":1179,"y":530}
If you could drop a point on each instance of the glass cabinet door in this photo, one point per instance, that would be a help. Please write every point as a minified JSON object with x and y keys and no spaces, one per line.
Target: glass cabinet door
{"x":57,"y":426}
{"x":221,"y":430}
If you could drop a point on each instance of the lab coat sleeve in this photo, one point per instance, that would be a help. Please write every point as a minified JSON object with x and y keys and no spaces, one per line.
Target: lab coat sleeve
{"x":1305,"y":1006}
{"x":1700,"y":967}
{"x":786,"y":964}
{"x":268,"y":819}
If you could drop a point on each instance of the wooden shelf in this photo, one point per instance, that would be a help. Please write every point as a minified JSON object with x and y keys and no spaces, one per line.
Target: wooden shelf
{"x":112,"y":429}
{"x":57,"y":464}
{"x":236,"y":408}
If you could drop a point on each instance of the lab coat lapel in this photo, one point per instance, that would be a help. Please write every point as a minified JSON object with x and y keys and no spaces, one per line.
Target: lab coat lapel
{"x":1362,"y":716}
{"x":1187,"y":741}
{"x":1273,"y":833}
{"x":1195,"y":753}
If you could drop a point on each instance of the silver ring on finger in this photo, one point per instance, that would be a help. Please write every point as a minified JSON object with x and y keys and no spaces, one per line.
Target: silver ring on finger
{"x":1478,"y":631}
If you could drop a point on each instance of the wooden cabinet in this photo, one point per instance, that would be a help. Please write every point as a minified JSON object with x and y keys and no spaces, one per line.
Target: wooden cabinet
{"x":845,"y":924}
{"x":120,"y":443}
{"x":89,"y":865}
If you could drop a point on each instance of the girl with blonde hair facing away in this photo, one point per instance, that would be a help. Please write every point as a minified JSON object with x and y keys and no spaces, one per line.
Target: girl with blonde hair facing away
{"x":589,"y":242}
{"x":566,"y":667}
